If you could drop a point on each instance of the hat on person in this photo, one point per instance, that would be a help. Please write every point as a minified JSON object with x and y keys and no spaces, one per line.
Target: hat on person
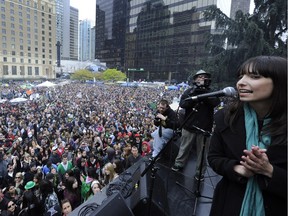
{"x":54,"y":148}
{"x":29,"y":185}
{"x":94,"y":182}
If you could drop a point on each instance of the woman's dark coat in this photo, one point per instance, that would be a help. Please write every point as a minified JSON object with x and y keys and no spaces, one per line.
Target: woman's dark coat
{"x":225,"y":152}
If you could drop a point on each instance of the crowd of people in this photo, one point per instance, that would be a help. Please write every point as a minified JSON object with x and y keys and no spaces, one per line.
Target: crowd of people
{"x":62,"y":147}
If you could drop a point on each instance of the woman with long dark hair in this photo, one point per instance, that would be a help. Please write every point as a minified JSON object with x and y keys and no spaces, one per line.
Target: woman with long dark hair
{"x":72,"y":192}
{"x":249,"y":144}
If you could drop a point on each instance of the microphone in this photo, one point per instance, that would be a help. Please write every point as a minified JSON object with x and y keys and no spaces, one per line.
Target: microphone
{"x":228,"y":91}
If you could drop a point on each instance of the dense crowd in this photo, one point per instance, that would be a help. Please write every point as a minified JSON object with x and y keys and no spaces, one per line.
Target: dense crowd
{"x":62,"y":147}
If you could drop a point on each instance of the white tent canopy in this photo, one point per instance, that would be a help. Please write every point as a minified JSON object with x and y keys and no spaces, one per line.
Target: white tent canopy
{"x":46,"y":84}
{"x":18,"y":100}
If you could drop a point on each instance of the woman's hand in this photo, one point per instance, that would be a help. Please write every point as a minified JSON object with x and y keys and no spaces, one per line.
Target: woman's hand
{"x":257,"y":161}
{"x":243,"y":171}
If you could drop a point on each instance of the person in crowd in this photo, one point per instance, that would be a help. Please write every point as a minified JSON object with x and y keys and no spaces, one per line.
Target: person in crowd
{"x":72,"y":192}
{"x":249,"y":143}
{"x":66,"y":207}
{"x":29,"y":175}
{"x":19,"y":183}
{"x":48,"y":167}
{"x":86,"y":182}
{"x":146,"y":148}
{"x":109,"y":173}
{"x":166,"y":122}
{"x":3,"y":200}
{"x":3,"y":166}
{"x":54,"y":156}
{"x":96,"y":187}
{"x":118,"y":166}
{"x":64,"y":166}
{"x":12,"y":209}
{"x":133,"y":157}
{"x":49,"y":197}
{"x":9,"y":177}
{"x":198,"y":123}
{"x":31,"y":205}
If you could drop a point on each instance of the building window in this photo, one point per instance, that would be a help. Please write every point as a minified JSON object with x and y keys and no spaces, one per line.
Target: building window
{"x":14,"y":60}
{"x":13,"y":53}
{"x":5,"y":69}
{"x":22,"y":70}
{"x":29,"y":70}
{"x":37,"y":71}
{"x":4,"y":59}
{"x":14,"y":70}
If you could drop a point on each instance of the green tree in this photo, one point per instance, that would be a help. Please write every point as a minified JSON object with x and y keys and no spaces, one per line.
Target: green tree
{"x":244,"y":37}
{"x":83,"y":75}
{"x":113,"y":74}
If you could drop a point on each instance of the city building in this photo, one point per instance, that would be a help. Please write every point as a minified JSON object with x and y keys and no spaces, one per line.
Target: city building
{"x":63,"y":27}
{"x":73,"y":48}
{"x":92,"y":43}
{"x":243,"y":5}
{"x":153,"y":39}
{"x":28,"y":38}
{"x":84,"y":40}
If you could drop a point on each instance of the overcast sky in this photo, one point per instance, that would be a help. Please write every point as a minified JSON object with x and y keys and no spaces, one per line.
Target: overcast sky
{"x":87,"y":8}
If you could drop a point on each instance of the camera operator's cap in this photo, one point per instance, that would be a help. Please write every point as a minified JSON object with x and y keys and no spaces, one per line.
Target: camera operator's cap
{"x":29,"y":185}
{"x":201,"y":72}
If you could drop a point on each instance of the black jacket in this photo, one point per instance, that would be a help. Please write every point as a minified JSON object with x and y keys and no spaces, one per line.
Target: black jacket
{"x":198,"y":113}
{"x":226,"y":149}
{"x":170,"y":122}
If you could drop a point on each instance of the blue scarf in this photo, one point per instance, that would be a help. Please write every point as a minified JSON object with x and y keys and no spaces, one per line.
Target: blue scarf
{"x":252,"y":204}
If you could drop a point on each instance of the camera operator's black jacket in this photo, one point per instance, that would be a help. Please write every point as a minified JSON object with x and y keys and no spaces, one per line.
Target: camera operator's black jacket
{"x":171,"y":121}
{"x":202,"y":116}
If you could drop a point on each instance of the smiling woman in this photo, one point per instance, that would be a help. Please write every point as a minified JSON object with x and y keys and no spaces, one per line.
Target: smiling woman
{"x":87,"y":9}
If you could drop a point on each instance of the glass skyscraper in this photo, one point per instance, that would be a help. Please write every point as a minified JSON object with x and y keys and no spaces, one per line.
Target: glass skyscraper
{"x":152,"y":39}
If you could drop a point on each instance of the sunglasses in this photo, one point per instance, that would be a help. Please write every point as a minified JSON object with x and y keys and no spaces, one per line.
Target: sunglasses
{"x":13,"y":204}
{"x":17,"y":177}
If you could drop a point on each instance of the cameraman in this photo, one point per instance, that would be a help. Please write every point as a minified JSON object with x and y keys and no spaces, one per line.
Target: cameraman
{"x":197,"y":114}
{"x":166,"y":120}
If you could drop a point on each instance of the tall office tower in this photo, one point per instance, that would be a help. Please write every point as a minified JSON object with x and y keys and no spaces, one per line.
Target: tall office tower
{"x":84,"y":40}
{"x":110,"y":32}
{"x":28,"y":39}
{"x":63,"y":27}
{"x":74,"y":17}
{"x":243,"y":5}
{"x":152,"y":39}
{"x":92,"y":43}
